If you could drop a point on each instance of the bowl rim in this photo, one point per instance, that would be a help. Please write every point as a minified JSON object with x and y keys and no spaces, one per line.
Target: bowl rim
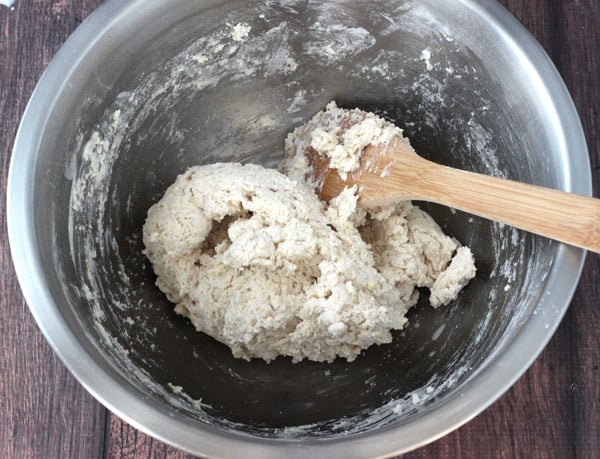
{"x":115,"y":393}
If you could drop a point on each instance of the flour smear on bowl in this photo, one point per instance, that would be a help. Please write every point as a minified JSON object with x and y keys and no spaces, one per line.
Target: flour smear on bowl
{"x":247,"y":49}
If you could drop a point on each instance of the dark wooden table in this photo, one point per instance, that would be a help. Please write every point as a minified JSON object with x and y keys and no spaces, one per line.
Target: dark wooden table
{"x":553,"y":411}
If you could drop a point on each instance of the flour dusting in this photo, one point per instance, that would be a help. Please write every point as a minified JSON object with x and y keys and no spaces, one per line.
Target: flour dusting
{"x":277,"y":48}
{"x":333,"y":42}
{"x":240,"y":32}
{"x":426,"y":57}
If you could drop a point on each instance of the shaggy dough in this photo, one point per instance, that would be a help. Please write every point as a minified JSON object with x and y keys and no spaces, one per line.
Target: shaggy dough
{"x":254,"y":259}
{"x":339,"y":134}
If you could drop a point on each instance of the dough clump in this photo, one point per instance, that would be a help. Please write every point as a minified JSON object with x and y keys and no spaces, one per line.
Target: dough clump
{"x":254,"y":259}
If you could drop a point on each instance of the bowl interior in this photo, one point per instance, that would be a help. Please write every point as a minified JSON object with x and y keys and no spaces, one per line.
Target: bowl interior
{"x":141,"y":109}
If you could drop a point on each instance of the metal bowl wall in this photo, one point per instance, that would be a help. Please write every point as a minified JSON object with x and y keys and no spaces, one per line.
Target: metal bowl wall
{"x":162,"y":86}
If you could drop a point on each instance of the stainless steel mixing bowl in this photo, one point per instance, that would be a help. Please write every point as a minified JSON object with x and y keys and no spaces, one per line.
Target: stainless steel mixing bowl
{"x":146,"y":88}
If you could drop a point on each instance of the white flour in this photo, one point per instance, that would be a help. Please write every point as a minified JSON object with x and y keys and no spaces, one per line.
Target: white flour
{"x":333,"y":42}
{"x":240,"y":32}
{"x":426,"y":57}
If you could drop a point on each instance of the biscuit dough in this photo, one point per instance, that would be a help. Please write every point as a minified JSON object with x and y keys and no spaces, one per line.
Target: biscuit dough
{"x":254,"y":259}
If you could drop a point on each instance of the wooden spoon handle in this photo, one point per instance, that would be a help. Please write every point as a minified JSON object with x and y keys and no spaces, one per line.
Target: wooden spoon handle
{"x":394,"y":172}
{"x":558,"y":215}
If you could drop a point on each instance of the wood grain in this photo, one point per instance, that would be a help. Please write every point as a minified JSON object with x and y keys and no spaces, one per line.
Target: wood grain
{"x":45,"y":412}
{"x":552,"y":412}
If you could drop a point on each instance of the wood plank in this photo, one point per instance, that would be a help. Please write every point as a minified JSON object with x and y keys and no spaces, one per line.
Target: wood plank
{"x":553,"y":411}
{"x":579,"y":64}
{"x":126,"y":442}
{"x":45,"y":411}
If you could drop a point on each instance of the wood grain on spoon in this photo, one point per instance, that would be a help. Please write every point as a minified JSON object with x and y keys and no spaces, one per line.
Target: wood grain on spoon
{"x":394,"y":172}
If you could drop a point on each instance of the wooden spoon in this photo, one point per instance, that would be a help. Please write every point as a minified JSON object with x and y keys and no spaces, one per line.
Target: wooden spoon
{"x":393,"y":172}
